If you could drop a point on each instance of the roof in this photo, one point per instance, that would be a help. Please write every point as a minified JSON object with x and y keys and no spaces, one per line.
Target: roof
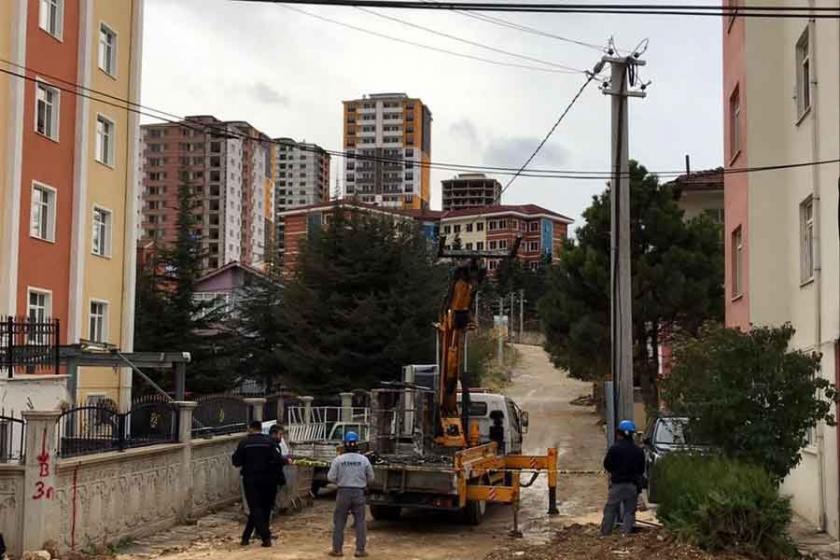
{"x":347,"y":203}
{"x":705,"y":180}
{"x":233,"y":264}
{"x":521,"y":210}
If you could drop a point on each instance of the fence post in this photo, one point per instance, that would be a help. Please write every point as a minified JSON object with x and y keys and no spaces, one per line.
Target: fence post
{"x":40,"y":479}
{"x":257,"y":404}
{"x":346,"y":407}
{"x":307,"y":409}
{"x":185,"y":417}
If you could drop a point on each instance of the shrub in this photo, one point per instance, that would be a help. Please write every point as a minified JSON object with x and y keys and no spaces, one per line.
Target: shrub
{"x":723,"y":505}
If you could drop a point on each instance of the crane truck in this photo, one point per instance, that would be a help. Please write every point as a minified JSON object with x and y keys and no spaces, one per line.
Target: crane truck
{"x":441,"y":448}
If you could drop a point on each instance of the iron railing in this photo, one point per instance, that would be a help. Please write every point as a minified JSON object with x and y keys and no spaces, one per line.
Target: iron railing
{"x":12,"y":434}
{"x":28,"y":346}
{"x":220,"y":414}
{"x":95,"y":429}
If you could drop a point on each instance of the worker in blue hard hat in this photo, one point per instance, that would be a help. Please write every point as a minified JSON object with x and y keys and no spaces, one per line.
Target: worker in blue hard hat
{"x":351,"y":472}
{"x":625,"y":461}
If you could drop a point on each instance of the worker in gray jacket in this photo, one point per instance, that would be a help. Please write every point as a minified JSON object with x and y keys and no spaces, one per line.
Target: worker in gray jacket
{"x":352,"y":472}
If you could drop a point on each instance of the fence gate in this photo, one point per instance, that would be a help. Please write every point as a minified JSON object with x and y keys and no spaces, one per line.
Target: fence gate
{"x":220,"y":414}
{"x":29,"y":346}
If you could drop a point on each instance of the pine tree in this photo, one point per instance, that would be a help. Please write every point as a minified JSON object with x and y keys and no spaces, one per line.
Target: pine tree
{"x":677,"y":283}
{"x":360,"y":305}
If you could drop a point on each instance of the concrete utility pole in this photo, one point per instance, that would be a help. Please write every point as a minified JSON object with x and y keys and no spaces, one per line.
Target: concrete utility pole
{"x":500,"y":350}
{"x":621,"y":320}
{"x":511,"y":328}
{"x":521,"y":314}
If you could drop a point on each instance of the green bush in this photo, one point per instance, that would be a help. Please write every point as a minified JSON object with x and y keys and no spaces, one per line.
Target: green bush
{"x":723,"y":505}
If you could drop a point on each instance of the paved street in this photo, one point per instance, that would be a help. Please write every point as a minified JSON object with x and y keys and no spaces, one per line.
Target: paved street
{"x":540,"y":389}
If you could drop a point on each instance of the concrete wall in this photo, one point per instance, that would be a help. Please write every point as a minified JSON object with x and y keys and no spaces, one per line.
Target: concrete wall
{"x":11,"y":503}
{"x":110,"y":496}
{"x":39,"y":392}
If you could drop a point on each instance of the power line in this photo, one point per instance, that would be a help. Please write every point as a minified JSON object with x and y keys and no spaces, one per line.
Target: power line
{"x":525,"y":28}
{"x":473,"y":43}
{"x":547,"y":136}
{"x":633,"y":9}
{"x":221,"y":131}
{"x":432,"y":48}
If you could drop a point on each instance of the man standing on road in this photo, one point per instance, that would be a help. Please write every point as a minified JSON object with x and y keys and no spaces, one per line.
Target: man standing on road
{"x":352,"y":472}
{"x":625,"y":462}
{"x":259,"y":461}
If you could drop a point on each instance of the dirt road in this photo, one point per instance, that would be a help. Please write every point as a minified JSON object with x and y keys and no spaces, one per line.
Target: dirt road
{"x":541,"y":390}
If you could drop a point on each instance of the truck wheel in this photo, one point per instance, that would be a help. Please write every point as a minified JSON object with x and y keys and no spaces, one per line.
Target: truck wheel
{"x":474,"y":512}
{"x":385,"y":513}
{"x":316,"y":486}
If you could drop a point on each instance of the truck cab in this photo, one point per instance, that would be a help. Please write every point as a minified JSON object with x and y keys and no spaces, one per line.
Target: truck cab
{"x":486,"y":406}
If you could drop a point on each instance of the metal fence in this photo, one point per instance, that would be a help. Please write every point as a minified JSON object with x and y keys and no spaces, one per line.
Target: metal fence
{"x":12,"y":434}
{"x":28,"y":346}
{"x":95,"y":429}
{"x":220,"y":414}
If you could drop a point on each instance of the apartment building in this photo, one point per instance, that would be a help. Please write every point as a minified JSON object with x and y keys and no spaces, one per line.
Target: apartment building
{"x":497,"y":227}
{"x":781,"y":89}
{"x":230,"y":168}
{"x":302,"y":179}
{"x":67,"y":165}
{"x":390,"y":135}
{"x":470,"y":190}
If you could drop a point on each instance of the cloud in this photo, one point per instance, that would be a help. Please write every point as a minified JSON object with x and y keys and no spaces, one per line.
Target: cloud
{"x":466,"y":131}
{"x":264,"y":93}
{"x":514,"y":151}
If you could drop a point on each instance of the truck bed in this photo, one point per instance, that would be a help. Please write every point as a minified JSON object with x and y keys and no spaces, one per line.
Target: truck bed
{"x":408,"y":473}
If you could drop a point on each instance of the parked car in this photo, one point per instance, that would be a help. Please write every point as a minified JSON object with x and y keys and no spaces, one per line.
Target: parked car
{"x":665,"y":434}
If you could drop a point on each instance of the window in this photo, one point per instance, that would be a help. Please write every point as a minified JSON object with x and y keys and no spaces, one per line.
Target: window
{"x":104,"y":140}
{"x":803,"y":75}
{"x":735,"y":123}
{"x":503,"y":244}
{"x":492,"y":245}
{"x":102,"y":232}
{"x":479,"y":246}
{"x":534,"y":226}
{"x":469,"y":227}
{"x":39,"y":310}
{"x":457,"y":228}
{"x":533,"y":246}
{"x":479,"y":226}
{"x":98,"y":325}
{"x":469,"y":246}
{"x":447,"y":229}
{"x":46,"y":112}
{"x":806,"y":240}
{"x":42,"y":225}
{"x":491,"y":225}
{"x":107,"y":50}
{"x":51,"y":17}
{"x":737,"y":263}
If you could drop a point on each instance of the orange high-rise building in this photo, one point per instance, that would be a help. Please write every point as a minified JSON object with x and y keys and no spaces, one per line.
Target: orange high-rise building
{"x":390,"y":135}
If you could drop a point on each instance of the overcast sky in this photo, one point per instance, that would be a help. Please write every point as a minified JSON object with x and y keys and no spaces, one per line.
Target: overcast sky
{"x":287,"y":73}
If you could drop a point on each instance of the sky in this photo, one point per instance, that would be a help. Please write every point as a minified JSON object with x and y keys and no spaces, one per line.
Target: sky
{"x":287,"y":73}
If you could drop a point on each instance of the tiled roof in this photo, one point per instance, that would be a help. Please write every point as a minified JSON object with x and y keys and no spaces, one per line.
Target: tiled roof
{"x":522,"y":209}
{"x":705,"y":180}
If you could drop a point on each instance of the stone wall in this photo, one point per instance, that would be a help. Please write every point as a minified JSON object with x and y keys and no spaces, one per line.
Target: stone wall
{"x":11,"y":502}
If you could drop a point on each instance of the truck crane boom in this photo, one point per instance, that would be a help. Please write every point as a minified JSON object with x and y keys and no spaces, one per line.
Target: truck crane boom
{"x":456,"y":319}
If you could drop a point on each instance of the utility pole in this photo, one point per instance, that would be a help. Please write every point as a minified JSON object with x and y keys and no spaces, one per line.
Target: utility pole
{"x":511,"y":328}
{"x":623,"y":75}
{"x":500,"y":350}
{"x":521,"y":314}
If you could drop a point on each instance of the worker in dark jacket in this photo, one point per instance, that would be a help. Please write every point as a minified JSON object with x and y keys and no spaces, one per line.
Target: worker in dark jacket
{"x":625,"y":462}
{"x":259,"y":461}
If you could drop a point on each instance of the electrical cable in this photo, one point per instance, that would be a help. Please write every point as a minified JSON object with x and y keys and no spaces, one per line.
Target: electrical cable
{"x":222,"y":131}
{"x":430,"y":47}
{"x":547,"y":136}
{"x":625,"y":9}
{"x":524,"y":28}
{"x":473,"y":43}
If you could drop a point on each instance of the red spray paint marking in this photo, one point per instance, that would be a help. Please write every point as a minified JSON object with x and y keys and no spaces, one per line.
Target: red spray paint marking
{"x":41,"y":489}
{"x":73,"y":517}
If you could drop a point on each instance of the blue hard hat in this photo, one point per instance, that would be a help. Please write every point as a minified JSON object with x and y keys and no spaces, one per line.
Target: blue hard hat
{"x":626,"y":426}
{"x":351,"y":437}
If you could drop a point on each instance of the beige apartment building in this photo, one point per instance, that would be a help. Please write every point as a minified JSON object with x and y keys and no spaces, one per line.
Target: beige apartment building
{"x":782,"y":106}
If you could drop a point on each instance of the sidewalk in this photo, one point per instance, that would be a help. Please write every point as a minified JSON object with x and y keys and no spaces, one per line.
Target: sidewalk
{"x":812,"y":542}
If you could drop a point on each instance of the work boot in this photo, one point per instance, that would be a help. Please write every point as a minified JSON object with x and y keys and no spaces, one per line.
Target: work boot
{"x":266,"y":543}
{"x":361,"y":554}
{"x":336,"y":553}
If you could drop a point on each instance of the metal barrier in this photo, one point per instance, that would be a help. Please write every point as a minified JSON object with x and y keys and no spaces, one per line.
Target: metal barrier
{"x":12,"y":433}
{"x":28,"y":346}
{"x":220,"y":414}
{"x":95,"y":429}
